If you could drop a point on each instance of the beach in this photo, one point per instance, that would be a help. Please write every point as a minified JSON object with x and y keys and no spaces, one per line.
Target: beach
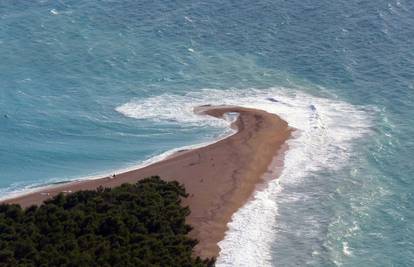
{"x":92,"y":89}
{"x":219,"y":177}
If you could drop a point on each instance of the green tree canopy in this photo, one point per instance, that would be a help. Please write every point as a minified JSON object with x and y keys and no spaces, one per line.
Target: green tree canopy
{"x":140,"y":224}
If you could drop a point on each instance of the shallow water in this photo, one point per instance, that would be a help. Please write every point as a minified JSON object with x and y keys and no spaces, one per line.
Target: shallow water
{"x":88,"y":88}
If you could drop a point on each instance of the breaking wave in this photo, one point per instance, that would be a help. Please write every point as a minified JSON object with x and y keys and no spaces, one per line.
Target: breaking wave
{"x":325,"y":127}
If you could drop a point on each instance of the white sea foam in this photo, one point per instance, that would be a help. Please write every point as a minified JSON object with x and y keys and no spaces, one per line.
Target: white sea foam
{"x":54,"y":12}
{"x":345,"y":249}
{"x":326,"y":128}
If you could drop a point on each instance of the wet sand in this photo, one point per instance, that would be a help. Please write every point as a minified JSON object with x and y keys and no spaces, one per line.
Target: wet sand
{"x":219,"y":177}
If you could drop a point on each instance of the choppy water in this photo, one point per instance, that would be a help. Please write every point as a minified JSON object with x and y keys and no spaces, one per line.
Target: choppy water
{"x":89,"y":87}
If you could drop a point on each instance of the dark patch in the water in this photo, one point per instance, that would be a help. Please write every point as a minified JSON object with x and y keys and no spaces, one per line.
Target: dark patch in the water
{"x":312,"y":107}
{"x":52,"y":183}
{"x":61,"y":182}
{"x":271,"y":99}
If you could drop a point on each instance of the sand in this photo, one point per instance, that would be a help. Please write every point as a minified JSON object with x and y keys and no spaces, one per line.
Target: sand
{"x":219,"y":177}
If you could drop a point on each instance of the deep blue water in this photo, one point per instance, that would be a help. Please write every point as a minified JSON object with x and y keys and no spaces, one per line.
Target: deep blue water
{"x":89,"y":87}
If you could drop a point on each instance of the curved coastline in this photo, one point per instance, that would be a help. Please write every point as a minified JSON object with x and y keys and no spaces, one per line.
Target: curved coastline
{"x":219,"y":177}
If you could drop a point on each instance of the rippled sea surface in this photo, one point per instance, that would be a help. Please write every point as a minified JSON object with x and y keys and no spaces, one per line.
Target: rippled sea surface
{"x":91,"y":87}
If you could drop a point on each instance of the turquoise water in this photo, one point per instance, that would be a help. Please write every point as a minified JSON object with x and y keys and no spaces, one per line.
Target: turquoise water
{"x":88,"y":88}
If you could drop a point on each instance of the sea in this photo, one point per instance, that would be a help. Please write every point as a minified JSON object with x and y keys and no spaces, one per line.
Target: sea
{"x":90,"y":88}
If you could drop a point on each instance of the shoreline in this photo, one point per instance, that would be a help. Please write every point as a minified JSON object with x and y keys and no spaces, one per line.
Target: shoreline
{"x":38,"y":187}
{"x":219,"y":177}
